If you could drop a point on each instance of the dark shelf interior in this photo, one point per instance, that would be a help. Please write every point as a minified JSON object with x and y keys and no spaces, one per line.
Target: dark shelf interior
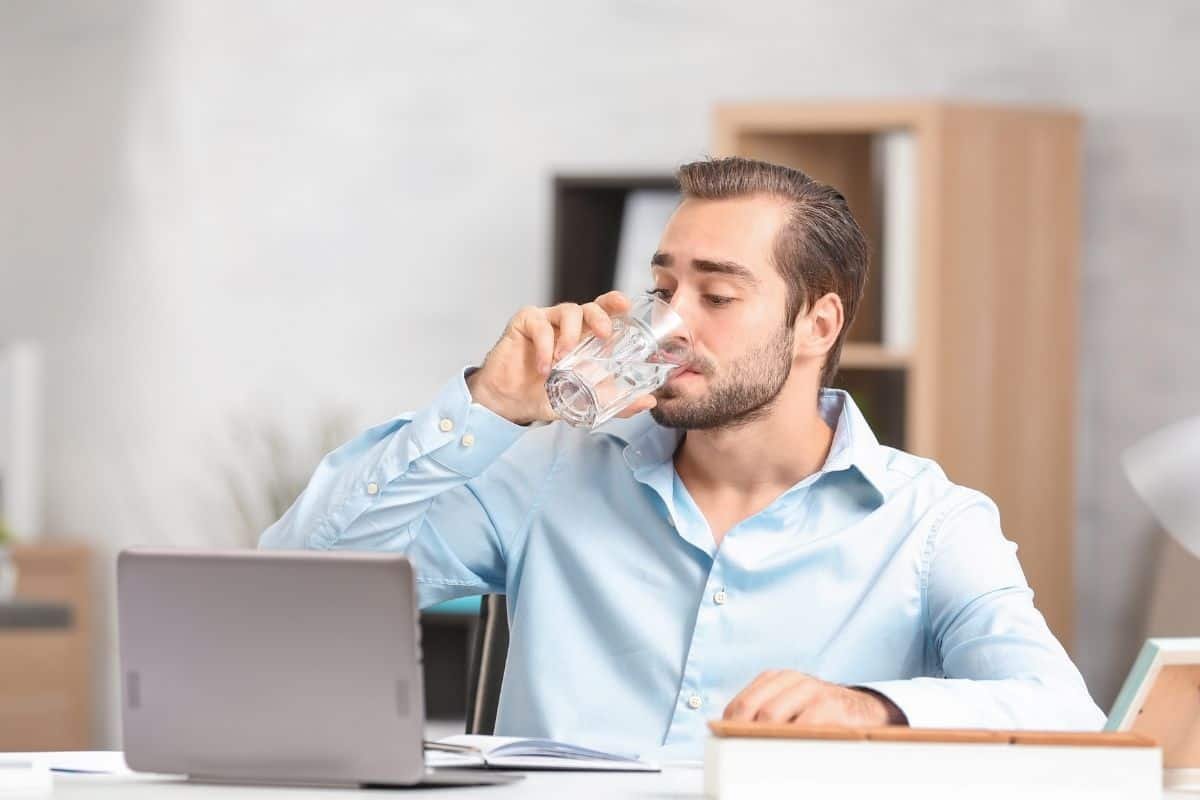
{"x":588,"y":211}
{"x":880,"y":395}
{"x":446,"y":644}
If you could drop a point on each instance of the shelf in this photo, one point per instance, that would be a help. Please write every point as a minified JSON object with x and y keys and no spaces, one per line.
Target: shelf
{"x":588,"y":212}
{"x":973,"y":216}
{"x":801,"y":118}
{"x":858,"y":355}
{"x":52,"y":662}
{"x":881,"y":395}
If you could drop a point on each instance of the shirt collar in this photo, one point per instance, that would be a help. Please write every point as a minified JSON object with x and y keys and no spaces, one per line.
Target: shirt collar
{"x":648,"y":444}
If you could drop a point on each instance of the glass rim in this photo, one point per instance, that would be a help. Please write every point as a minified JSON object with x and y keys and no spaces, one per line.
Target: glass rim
{"x":676,"y":323}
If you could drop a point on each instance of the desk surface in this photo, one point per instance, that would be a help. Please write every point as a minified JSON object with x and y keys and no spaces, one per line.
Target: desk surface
{"x":673,"y":783}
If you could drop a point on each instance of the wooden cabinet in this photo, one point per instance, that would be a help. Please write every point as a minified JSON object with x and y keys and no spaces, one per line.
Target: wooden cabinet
{"x":45,"y":675}
{"x":985,"y":382}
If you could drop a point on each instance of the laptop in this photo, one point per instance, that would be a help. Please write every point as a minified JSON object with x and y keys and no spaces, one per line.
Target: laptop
{"x":275,"y":667}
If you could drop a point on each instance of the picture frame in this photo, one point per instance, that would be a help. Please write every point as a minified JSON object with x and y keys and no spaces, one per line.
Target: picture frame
{"x":1161,"y":699}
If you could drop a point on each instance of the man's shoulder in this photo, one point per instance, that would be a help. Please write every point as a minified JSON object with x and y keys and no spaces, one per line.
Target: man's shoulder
{"x":907,"y":477}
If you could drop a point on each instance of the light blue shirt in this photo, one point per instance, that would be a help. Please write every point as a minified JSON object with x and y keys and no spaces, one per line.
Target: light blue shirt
{"x":630,"y":628}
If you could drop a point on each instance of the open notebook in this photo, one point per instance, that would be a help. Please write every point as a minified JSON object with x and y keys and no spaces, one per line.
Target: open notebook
{"x":507,"y":752}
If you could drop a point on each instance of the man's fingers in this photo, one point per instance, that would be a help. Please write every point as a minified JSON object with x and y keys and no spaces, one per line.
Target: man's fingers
{"x":760,"y":680}
{"x":597,"y":320}
{"x":533,"y":324}
{"x":747,"y":702}
{"x":614,"y":303}
{"x":556,"y":331}
{"x":791,"y":700}
{"x":569,"y":319}
{"x":819,"y":711}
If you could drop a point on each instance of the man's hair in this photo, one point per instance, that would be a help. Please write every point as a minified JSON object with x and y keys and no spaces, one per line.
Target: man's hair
{"x":820,"y":248}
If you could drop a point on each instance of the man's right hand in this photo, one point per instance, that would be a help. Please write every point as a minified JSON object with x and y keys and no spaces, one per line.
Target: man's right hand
{"x":512,"y":380}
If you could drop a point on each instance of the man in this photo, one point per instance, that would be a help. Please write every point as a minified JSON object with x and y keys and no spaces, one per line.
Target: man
{"x":745,"y":550}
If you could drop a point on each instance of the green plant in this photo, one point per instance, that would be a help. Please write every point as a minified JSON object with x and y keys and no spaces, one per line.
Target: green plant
{"x":5,"y":535}
{"x":273,"y":466}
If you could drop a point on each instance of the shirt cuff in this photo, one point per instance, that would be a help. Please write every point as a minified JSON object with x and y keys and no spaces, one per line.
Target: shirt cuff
{"x":459,"y":433}
{"x":924,"y":706}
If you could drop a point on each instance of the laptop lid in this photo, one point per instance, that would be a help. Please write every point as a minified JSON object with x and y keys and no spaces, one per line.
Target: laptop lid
{"x":294,"y":667}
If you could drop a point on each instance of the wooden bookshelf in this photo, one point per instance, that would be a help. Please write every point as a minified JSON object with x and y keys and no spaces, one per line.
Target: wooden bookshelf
{"x":863,"y":355}
{"x":45,"y":672}
{"x":987,"y":384}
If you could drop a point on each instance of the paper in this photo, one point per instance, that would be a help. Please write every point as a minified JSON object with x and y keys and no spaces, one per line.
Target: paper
{"x":99,"y":762}
{"x":22,"y":776}
{"x":506,"y":752}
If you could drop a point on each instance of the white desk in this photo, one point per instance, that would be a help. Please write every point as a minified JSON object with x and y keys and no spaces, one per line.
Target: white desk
{"x":673,"y":783}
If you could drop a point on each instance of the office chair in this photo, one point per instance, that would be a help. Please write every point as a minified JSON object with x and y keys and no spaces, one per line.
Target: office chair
{"x":488,"y":654}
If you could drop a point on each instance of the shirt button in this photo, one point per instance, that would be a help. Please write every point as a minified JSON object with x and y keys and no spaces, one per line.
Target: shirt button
{"x":694,"y":701}
{"x":720,"y":597}
{"x":468,"y":439}
{"x":446,"y":425}
{"x":372,"y":488}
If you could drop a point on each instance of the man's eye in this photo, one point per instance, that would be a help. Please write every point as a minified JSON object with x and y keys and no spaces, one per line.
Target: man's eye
{"x":661,"y":294}
{"x":718,"y":300}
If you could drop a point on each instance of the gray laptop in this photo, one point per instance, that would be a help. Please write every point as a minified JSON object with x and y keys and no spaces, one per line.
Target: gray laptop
{"x":274,"y":667}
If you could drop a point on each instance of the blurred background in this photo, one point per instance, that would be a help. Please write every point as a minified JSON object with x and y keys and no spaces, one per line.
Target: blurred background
{"x":232,"y":234}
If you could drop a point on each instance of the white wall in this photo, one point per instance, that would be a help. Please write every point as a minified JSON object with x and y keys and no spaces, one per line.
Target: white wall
{"x":221,"y":211}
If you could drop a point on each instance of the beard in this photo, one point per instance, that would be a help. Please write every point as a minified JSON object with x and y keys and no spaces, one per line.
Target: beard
{"x":745,"y":394}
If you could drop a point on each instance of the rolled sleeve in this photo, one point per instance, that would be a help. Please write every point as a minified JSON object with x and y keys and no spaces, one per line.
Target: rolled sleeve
{"x":923,"y":706}
{"x":456,"y":432}
{"x":996,"y":663}
{"x":375,"y":491}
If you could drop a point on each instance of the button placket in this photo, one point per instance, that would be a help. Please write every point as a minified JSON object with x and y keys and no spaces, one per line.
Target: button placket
{"x":691,"y":697}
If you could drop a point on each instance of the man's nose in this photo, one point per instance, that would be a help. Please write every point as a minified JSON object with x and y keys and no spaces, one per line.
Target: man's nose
{"x":683,"y":309}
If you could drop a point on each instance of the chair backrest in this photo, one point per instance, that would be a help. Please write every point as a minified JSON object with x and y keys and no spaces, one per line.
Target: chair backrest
{"x":488,"y":654}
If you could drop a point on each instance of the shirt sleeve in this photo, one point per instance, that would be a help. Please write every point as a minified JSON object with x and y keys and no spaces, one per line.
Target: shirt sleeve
{"x":432,"y":485}
{"x":1000,"y":665}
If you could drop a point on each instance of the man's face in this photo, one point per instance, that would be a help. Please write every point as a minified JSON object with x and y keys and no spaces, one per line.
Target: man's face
{"x":714,"y":266}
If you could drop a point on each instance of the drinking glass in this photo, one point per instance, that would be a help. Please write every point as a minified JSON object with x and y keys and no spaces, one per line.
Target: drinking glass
{"x":600,"y":377}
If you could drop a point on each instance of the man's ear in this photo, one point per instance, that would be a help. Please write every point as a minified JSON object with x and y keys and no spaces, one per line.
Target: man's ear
{"x":818,"y":327}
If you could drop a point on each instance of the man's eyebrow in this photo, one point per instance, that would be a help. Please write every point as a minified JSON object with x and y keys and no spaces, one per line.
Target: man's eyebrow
{"x":730,"y":268}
